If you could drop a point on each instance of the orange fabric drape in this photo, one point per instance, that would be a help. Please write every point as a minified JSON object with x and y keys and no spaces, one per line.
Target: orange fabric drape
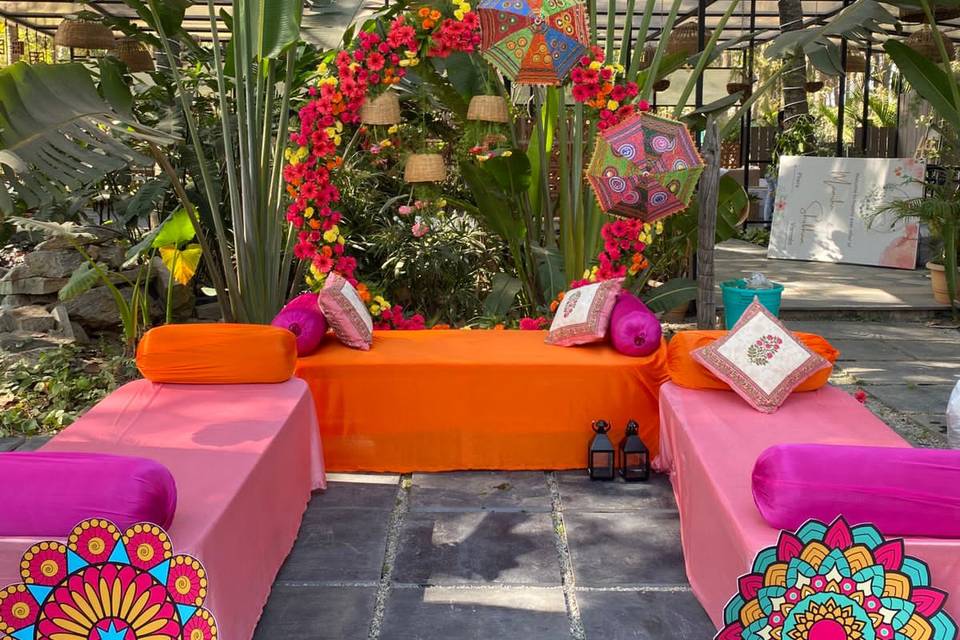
{"x":447,"y":400}
{"x":217,"y":354}
{"x":687,"y":372}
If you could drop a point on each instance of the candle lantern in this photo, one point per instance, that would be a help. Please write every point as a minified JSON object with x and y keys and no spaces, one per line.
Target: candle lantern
{"x":634,"y":455}
{"x":601,"y":456}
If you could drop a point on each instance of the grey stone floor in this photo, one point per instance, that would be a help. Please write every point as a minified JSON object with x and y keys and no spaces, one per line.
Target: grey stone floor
{"x":551,"y":555}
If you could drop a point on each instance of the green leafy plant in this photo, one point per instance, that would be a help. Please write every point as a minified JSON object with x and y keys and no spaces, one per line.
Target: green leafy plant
{"x":46,"y":395}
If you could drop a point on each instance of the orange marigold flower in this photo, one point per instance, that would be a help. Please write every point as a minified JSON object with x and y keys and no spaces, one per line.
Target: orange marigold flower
{"x":423,"y":12}
{"x":428,"y":24}
{"x":434,"y":15}
{"x":291,"y":191}
{"x":315,"y":224}
{"x":362,"y":291}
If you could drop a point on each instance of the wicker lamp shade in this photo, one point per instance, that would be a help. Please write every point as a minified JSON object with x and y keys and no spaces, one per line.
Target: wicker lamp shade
{"x":661,"y":85}
{"x":384,"y":109}
{"x":488,"y":109}
{"x":133,"y":54}
{"x":685,"y":39}
{"x":84,"y":34}
{"x":425,"y":167}
{"x":856,"y":61}
{"x":922,"y":41}
{"x":646,"y":58}
{"x":940,"y":13}
{"x":740,"y":86}
{"x":812,"y":86}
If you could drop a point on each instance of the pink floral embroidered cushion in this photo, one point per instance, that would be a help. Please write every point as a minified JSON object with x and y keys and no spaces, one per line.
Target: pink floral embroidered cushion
{"x":760,"y":359}
{"x":584,"y":314}
{"x":346,"y":313}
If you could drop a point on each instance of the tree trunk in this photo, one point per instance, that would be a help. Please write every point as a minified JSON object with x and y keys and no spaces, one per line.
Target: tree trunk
{"x":794,"y":95}
{"x":707,"y":194}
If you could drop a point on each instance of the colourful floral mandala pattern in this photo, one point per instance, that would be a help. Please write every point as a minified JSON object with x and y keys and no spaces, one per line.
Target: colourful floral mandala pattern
{"x":107,"y":584}
{"x":836,"y":582}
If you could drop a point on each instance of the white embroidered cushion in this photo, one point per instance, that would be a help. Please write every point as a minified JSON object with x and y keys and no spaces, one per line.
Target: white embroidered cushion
{"x":584,"y":314}
{"x":346,"y":313}
{"x":760,"y":359}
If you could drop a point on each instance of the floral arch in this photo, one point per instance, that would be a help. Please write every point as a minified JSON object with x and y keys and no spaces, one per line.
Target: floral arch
{"x":378,"y":58}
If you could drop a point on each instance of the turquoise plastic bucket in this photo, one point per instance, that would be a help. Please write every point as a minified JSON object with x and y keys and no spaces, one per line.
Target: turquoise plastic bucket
{"x":736,"y":299}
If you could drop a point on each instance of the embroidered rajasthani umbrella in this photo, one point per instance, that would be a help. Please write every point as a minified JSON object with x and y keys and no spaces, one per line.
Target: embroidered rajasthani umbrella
{"x":646,"y":167}
{"x":534,"y":41}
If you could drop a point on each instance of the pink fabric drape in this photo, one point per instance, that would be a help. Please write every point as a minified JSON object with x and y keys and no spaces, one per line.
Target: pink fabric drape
{"x":245,"y":459}
{"x":709,"y":443}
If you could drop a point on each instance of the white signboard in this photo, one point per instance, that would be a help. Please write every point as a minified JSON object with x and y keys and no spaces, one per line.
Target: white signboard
{"x":823,"y":209}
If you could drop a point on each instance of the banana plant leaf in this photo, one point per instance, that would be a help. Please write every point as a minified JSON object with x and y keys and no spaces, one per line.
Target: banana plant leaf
{"x":671,"y":295}
{"x":58,"y":135}
{"x":929,"y":80}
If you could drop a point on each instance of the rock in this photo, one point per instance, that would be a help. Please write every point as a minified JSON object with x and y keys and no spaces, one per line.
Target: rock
{"x":99,"y":236}
{"x":7,"y":322}
{"x":96,"y":308}
{"x":209,"y":312}
{"x":17,"y":300}
{"x":27,"y":346}
{"x":30,"y":286}
{"x":33,"y":319}
{"x":113,"y":255}
{"x":48,"y":264}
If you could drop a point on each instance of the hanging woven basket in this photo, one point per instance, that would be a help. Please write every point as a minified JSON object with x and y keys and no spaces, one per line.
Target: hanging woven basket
{"x":84,"y":34}
{"x":856,"y":61}
{"x":133,"y":54}
{"x":646,"y":58}
{"x":488,"y":109}
{"x":685,"y":39}
{"x":940,"y":13}
{"x":813,"y":86}
{"x":922,"y":41}
{"x":425,"y":167}
{"x":661,"y":85}
{"x":384,"y":109}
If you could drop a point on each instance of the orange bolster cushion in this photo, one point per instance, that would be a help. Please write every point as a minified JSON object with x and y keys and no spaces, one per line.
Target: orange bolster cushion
{"x":687,"y":372}
{"x":217,"y":354}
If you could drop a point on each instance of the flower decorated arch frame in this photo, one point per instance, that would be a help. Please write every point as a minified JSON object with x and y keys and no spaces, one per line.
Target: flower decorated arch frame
{"x":378,"y":58}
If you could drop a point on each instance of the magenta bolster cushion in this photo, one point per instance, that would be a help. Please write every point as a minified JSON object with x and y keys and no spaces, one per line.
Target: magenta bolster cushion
{"x":902,"y":491}
{"x":47,"y":494}
{"x":634,"y":329}
{"x":304,"y":301}
{"x":307,"y":324}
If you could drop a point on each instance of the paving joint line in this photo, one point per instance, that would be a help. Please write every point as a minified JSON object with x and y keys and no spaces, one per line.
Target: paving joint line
{"x":568,"y":579}
{"x":392,"y":547}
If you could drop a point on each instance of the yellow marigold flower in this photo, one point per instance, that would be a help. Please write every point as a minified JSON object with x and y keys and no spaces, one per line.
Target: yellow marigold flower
{"x":441,"y":203}
{"x":586,"y":274}
{"x":659,"y":226}
{"x":386,"y":143}
{"x":393,"y":128}
{"x":507,"y":153}
{"x":595,"y":65}
{"x":375,"y":309}
{"x":483,"y":158}
{"x":332,"y":234}
{"x":410,"y":54}
{"x":612,"y":105}
{"x":646,"y":227}
{"x":458,"y":14}
{"x":308,"y":212}
{"x":341,"y":240}
{"x":323,"y":69}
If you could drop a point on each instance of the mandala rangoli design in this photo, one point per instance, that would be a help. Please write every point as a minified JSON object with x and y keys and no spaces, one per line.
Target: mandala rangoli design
{"x":836,"y":582}
{"x":107,"y":584}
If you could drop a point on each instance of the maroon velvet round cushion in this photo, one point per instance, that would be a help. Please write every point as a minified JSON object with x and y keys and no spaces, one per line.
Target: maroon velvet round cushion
{"x":47,"y":494}
{"x":634,"y":329}
{"x":901,"y":490}
{"x":307,"y":324}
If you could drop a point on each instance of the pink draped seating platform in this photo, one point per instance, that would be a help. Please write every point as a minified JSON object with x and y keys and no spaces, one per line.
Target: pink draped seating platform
{"x":709,"y":443}
{"x":245,"y":459}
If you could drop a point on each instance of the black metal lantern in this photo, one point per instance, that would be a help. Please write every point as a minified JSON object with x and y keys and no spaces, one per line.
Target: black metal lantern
{"x":634,"y":455}
{"x":601,"y":457}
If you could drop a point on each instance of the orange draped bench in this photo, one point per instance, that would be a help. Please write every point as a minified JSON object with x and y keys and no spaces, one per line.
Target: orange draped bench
{"x":449,"y":400}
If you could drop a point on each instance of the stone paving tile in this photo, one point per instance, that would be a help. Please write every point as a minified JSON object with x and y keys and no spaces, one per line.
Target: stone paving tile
{"x":915,"y":331}
{"x":317,"y":613}
{"x":338,"y":544}
{"x":443,"y":548}
{"x":913,"y":398}
{"x":480,"y":490}
{"x":913,"y":372}
{"x":366,"y":492}
{"x":936,"y":424}
{"x":934,"y":350}
{"x":580,"y":493}
{"x":625,"y":549}
{"x":876,"y":350}
{"x":10,"y":443}
{"x":33,"y":443}
{"x":644,"y":615}
{"x":441,"y":613}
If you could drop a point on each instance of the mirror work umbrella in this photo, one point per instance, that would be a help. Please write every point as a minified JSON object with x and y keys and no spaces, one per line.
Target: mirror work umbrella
{"x":646,"y":167}
{"x":534,"y":41}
